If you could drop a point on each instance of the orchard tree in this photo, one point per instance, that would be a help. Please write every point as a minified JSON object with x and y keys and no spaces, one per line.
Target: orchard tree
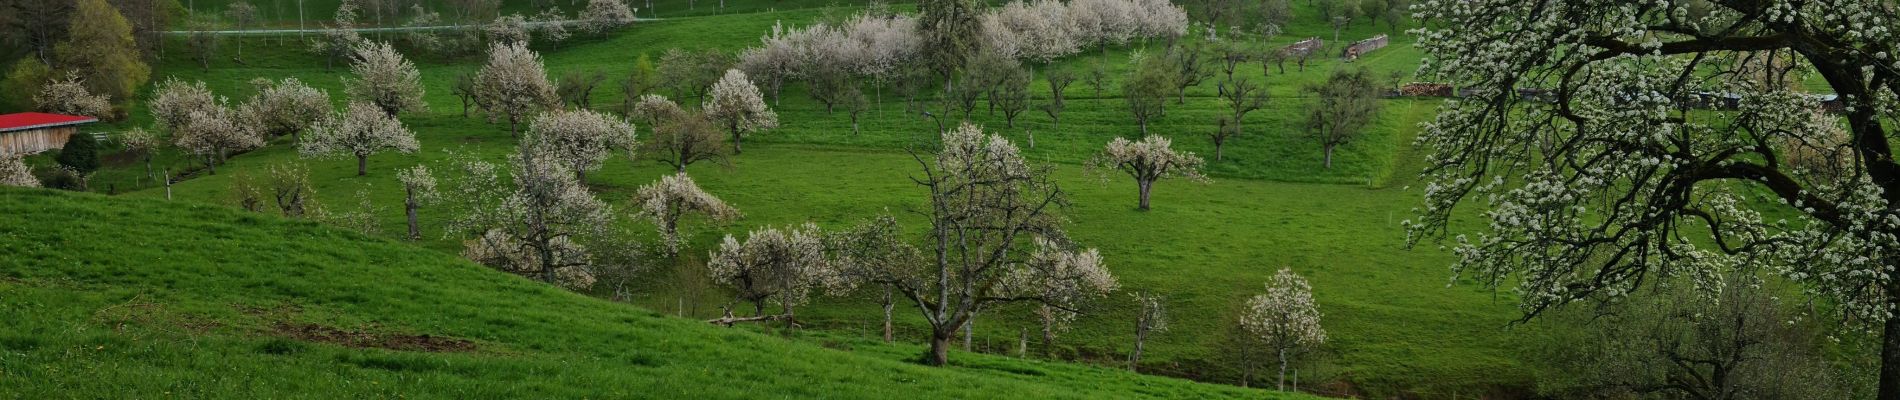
{"x":1285,"y":318}
{"x":772,"y":266}
{"x":1191,"y":68}
{"x":550,"y":26}
{"x":950,"y":30}
{"x":1148,"y":160}
{"x":987,"y":207}
{"x":605,"y":16}
{"x":340,"y":40}
{"x":1066,"y":277}
{"x":385,"y":79}
{"x":513,"y":85}
{"x":540,"y":222}
{"x":1631,"y":185}
{"x":1147,"y":92}
{"x":14,"y":172}
{"x":360,"y":130}
{"x":666,"y":201}
{"x":213,"y":132}
{"x":202,"y":42}
{"x":639,"y":83}
{"x":242,"y":14}
{"x":1242,"y":96}
{"x":69,"y":96}
{"x":576,"y":88}
{"x":99,"y":47}
{"x":871,"y":250}
{"x":506,"y":30}
{"x":288,"y":107}
{"x":654,"y":109}
{"x":143,"y":143}
{"x":1343,"y":105}
{"x":464,"y":90}
{"x":1150,"y":318}
{"x":1012,"y":94}
{"x":684,"y":139}
{"x":418,"y":188}
{"x":737,"y":106}
{"x":174,"y":100}
{"x":1059,"y":81}
{"x":579,"y":140}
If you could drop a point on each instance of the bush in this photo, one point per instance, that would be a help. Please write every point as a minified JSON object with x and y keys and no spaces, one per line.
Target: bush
{"x":81,"y":153}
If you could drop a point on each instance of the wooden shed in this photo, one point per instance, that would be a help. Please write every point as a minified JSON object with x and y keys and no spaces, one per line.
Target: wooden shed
{"x":31,"y":132}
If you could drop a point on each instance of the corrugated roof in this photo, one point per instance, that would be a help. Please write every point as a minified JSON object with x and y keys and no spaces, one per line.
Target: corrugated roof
{"x":33,"y":120}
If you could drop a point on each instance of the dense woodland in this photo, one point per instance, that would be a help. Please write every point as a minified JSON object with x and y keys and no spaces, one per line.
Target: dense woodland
{"x":1253,"y":193}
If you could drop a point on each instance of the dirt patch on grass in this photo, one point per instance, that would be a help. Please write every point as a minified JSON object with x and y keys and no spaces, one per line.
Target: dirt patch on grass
{"x":363,"y":337}
{"x":138,"y":311}
{"x":370,"y":337}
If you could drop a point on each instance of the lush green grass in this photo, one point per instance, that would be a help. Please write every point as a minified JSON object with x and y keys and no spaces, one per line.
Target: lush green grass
{"x":137,"y":298}
{"x":1396,"y":327}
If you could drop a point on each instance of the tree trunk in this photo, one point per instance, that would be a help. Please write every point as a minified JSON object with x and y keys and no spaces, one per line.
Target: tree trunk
{"x":969,"y":328}
{"x":409,"y":208}
{"x":1048,"y":332}
{"x":1134,"y":359}
{"x":1022,"y":343}
{"x":580,"y":176}
{"x":735,"y":142}
{"x":1146,"y":188}
{"x":939,"y":348}
{"x":1329,"y":156}
{"x":1282,"y":369}
{"x":362,"y":165}
{"x":887,"y":315}
{"x":1219,"y":144}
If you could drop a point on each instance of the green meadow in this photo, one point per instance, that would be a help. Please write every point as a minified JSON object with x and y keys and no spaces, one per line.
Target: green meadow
{"x":1398,"y":326}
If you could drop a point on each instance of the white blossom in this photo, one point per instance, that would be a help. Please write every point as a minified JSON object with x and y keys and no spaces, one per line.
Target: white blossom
{"x":360,"y":130}
{"x":666,"y":201}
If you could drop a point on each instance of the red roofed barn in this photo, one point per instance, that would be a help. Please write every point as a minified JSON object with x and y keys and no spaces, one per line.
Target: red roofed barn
{"x":31,"y":132}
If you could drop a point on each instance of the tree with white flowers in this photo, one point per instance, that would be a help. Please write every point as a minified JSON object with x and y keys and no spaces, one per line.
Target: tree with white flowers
{"x":340,"y":39}
{"x":360,"y":130}
{"x":1608,"y":182}
{"x":418,"y":188}
{"x":287,"y":107}
{"x":580,"y":140}
{"x":737,"y":106}
{"x":783,"y":267}
{"x":213,"y":132}
{"x":507,"y":30}
{"x":1285,"y":318}
{"x":14,"y":172}
{"x":69,"y":96}
{"x":143,"y":143}
{"x":989,"y":212}
{"x":174,"y":100}
{"x":869,"y":251}
{"x":536,"y":220}
{"x":666,"y":201}
{"x":1148,"y":160}
{"x":386,"y":79}
{"x":513,"y":85}
{"x":1065,"y":277}
{"x":602,"y":16}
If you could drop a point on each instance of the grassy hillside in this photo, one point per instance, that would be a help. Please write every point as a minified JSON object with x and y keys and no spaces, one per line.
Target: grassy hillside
{"x":1396,"y":328}
{"x":122,"y":298}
